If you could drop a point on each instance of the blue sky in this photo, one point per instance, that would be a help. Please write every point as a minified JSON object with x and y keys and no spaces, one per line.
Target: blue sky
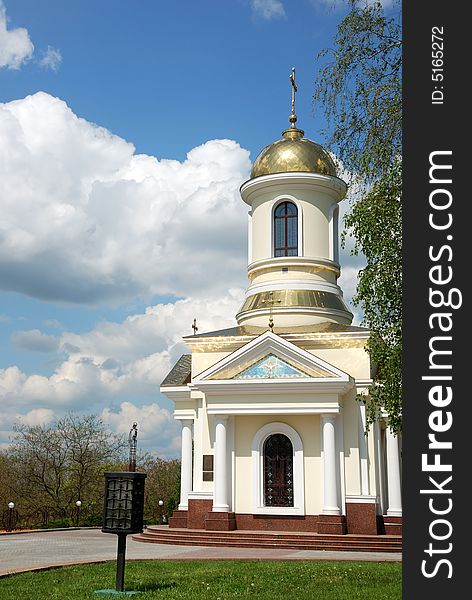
{"x":168,"y":76}
{"x":126,"y":128}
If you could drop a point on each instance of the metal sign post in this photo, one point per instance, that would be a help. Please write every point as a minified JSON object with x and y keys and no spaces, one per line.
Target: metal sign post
{"x":120,"y":562}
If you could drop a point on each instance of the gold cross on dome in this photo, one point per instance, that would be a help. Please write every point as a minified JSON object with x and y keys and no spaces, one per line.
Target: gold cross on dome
{"x":194,"y":327}
{"x":294,"y":89}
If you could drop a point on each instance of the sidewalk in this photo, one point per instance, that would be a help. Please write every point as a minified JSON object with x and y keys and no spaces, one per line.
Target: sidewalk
{"x":40,"y":550}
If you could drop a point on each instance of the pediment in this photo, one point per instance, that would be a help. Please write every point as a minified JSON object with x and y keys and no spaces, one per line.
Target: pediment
{"x":271,"y":357}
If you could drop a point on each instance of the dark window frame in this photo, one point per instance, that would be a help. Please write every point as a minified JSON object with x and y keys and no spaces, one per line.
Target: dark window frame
{"x":289,"y":229}
{"x":207,"y":467}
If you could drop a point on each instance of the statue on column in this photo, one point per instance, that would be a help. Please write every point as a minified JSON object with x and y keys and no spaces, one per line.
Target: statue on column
{"x":133,"y":442}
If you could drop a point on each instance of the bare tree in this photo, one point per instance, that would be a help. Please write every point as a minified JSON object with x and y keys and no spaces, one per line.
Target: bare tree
{"x":47,"y":469}
{"x":54,"y":466}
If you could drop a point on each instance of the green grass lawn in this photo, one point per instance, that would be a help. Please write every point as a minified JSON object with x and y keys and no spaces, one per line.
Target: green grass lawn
{"x":215,"y":580}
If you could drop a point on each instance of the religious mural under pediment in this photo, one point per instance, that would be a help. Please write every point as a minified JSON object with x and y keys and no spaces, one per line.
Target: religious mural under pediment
{"x":271,"y":367}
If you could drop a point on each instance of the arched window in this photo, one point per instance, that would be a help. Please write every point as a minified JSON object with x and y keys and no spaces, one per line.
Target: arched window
{"x":286,"y":229}
{"x":278,"y":471}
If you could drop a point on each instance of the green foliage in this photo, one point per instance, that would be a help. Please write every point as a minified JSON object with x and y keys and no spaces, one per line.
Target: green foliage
{"x":48,"y":468}
{"x":360,"y":89}
{"x":162,"y":483}
{"x":61,"y":523}
{"x":204,"y":580}
{"x":375,"y":221}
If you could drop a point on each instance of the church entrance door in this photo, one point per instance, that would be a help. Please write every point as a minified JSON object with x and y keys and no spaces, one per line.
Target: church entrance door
{"x":278,"y":471}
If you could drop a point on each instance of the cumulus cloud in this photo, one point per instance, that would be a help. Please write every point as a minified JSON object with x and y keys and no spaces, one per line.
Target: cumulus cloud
{"x":51,"y":59}
{"x":86,"y":220}
{"x":15,"y":44}
{"x":118,"y":366}
{"x":35,"y":341}
{"x":268,"y":9}
{"x":118,"y":360}
{"x":156,"y":426}
{"x":37,"y":416}
{"x":53,"y":324}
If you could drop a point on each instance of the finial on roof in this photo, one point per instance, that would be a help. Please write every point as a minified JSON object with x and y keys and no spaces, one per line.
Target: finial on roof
{"x":270,"y":301}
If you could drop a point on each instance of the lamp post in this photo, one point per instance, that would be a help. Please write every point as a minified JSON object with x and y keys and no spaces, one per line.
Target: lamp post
{"x":78,"y":504}
{"x":161,"y":504}
{"x":11,"y":521}
{"x":10,"y":517}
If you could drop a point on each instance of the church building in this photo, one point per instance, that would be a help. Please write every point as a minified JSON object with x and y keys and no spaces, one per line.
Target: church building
{"x":273,"y":427}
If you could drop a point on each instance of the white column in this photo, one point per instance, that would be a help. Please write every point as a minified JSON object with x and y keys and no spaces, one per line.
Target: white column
{"x":186,"y":464}
{"x":393,"y":475}
{"x":330,"y":491}
{"x":363,"y":452}
{"x":220,"y":498}
{"x":379,"y":467}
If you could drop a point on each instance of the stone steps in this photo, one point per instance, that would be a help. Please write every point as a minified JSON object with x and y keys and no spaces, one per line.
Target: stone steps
{"x":253,"y":539}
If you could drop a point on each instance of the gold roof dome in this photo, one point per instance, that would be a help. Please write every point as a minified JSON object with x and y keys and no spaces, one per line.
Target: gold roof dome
{"x":293,"y":153}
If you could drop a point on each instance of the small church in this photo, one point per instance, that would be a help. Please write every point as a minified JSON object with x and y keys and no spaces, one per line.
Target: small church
{"x":273,"y":424}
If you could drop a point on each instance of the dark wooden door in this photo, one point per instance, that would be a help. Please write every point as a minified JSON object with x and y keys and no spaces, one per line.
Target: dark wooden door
{"x":278,"y":471}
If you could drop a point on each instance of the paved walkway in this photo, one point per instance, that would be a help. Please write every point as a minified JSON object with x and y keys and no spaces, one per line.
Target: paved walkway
{"x":39,"y":550}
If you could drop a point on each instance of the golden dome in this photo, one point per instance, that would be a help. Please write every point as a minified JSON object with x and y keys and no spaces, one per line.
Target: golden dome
{"x":293,"y":153}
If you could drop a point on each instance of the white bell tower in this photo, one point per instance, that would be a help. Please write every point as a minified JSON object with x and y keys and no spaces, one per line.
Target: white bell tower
{"x":293,"y":194}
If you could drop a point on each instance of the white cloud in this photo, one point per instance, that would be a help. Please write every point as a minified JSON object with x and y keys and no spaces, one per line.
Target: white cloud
{"x":51,"y":59}
{"x":37,"y":416}
{"x":35,"y":341}
{"x":156,"y":426}
{"x":89,"y":221}
{"x":268,"y":9}
{"x":53,"y":324}
{"x":15,"y":44}
{"x":117,"y":360}
{"x":118,"y":366}
{"x":86,"y":220}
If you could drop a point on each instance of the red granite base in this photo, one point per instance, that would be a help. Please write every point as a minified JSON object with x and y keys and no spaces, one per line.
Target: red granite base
{"x":179,"y":519}
{"x":361,"y":518}
{"x":335,"y":524}
{"x":220,"y":521}
{"x":197,"y":511}
{"x":277,"y":522}
{"x":393,"y":525}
